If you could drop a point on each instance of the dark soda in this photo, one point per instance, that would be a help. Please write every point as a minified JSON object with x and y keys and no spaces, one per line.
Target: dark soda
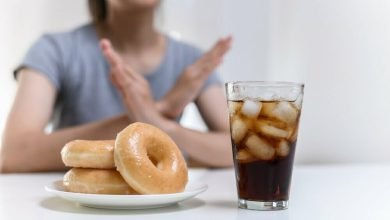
{"x":264,"y":135}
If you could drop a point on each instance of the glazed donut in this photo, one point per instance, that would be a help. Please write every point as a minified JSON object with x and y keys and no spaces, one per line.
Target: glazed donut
{"x":96,"y":181}
{"x":89,"y":154}
{"x":149,"y":160}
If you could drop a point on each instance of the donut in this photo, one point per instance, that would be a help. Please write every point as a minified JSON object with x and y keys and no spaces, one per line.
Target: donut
{"x":89,"y":154}
{"x":96,"y":181}
{"x":149,"y":160}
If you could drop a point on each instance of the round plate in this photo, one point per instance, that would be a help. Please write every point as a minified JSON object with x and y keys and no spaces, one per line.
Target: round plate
{"x":127,"y":201}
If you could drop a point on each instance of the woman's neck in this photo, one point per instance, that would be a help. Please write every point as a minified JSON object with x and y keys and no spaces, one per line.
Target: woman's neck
{"x":130,"y":31}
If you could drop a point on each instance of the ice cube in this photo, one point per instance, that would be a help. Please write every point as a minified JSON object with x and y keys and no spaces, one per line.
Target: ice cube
{"x":249,"y":123}
{"x":234,"y":107}
{"x":269,"y":94}
{"x":285,"y":112}
{"x":283,"y":149}
{"x":260,"y":148}
{"x":244,"y":156}
{"x":251,"y":109}
{"x":294,"y":134}
{"x":267,"y":128}
{"x":267,"y":108}
{"x":239,"y":129}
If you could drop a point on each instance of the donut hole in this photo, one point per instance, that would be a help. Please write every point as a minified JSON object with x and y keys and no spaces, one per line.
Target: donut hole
{"x":154,"y":161}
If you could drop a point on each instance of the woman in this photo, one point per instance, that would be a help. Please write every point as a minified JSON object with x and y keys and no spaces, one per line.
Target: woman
{"x":101,"y":77}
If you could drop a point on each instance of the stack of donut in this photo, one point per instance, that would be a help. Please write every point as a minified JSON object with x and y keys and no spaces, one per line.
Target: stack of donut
{"x":141,"y":160}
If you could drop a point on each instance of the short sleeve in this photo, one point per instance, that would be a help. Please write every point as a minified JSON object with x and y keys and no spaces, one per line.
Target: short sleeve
{"x":212,"y":80}
{"x":44,"y":57}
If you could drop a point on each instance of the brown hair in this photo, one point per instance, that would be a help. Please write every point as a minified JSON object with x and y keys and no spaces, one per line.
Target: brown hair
{"x":98,"y":10}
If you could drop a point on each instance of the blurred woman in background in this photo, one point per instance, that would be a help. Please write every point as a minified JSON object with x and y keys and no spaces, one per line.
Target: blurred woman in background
{"x":95,"y":80}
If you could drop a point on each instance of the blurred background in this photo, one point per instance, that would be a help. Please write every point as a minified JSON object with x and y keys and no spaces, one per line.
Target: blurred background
{"x":340,"y":49}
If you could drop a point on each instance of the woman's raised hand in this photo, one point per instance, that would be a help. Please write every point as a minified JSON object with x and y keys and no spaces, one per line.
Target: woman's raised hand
{"x":134,"y":89}
{"x":191,"y":81}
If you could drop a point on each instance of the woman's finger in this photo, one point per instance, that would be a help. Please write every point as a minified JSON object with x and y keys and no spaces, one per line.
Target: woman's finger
{"x":116,"y":62}
{"x":114,"y":80}
{"x":210,"y":66}
{"x":118,"y":85}
{"x":117,"y":65}
{"x":220,"y":48}
{"x":131,"y":73}
{"x":110,"y":54}
{"x":211,"y":59}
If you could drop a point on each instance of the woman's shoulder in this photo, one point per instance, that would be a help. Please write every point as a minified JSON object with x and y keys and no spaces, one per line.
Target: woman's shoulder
{"x":65,"y":46}
{"x":54,"y":52}
{"x":81,"y":34}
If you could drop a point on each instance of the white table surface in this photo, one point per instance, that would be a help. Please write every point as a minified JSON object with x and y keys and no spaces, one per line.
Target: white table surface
{"x":318,"y":192}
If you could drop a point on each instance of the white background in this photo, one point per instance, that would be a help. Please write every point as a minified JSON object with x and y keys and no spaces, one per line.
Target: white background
{"x":340,"y":49}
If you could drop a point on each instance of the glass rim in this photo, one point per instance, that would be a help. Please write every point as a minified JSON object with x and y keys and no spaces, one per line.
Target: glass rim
{"x":265,"y":83}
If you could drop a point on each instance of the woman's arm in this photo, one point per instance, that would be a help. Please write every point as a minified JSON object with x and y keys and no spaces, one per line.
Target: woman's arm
{"x":25,"y":145}
{"x":211,"y":148}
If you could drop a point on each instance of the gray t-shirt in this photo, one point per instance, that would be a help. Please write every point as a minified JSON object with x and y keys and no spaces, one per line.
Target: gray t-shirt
{"x":74,"y":63}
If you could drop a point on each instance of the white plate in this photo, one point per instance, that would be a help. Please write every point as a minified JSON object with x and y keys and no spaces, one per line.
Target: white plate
{"x":193,"y":188}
